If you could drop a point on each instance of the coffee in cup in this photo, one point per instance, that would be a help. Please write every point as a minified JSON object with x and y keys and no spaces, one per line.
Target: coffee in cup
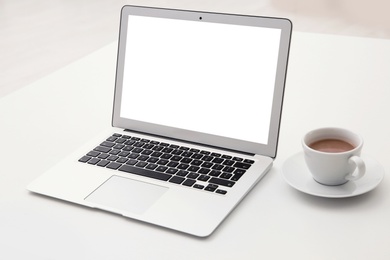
{"x":333,"y":155}
{"x":331,"y":146}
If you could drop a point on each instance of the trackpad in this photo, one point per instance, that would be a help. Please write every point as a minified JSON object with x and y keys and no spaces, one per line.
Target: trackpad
{"x":126,"y":195}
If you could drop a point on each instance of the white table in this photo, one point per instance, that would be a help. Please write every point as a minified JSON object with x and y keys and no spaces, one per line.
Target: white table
{"x":332,"y":81}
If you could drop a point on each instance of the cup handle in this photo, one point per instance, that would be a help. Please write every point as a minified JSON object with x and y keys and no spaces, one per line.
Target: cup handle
{"x":360,"y":168}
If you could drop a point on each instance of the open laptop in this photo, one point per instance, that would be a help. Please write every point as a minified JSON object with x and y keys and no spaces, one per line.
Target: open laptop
{"x":196,"y":116}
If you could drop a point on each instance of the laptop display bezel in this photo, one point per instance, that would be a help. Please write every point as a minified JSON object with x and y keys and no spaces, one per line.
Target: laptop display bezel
{"x":269,"y":149}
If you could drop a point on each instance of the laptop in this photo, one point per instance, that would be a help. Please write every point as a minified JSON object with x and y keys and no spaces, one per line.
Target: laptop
{"x":195,"y":124}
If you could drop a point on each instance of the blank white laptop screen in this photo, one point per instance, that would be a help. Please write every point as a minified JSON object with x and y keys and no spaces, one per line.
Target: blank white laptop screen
{"x":195,"y":71}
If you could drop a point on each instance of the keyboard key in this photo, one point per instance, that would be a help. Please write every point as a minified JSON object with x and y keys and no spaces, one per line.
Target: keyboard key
{"x":103,"y":156}
{"x":158,"y":148}
{"x":196,"y":156}
{"x":193,"y":168}
{"x":222,"y":182}
{"x":186,"y":160}
{"x":166,"y":156}
{"x":151,"y":166}
{"x":133,"y":156}
{"x":207,"y":165}
{"x":130,"y":142}
{"x":177,"y":152}
{"x":84,"y":159}
{"x":143,"y":158}
{"x":128,"y":148}
{"x":187,"y":154}
{"x":167,"y":150}
{"x":147,"y":152}
{"x":228,"y":169}
{"x":182,"y":173}
{"x":211,"y":187}
{"x":176,"y":158}
{"x":163,"y":162}
{"x":94,"y":161}
{"x":102,"y":149}
{"x":161,"y":168}
{"x":198,"y":186}
{"x":107,"y":144}
{"x":196,"y":162}
{"x":249,"y":161}
{"x":239,"y":171}
{"x":242,"y":165}
{"x":152,"y":160}
{"x":228,"y":162}
{"x":226,"y":175}
{"x":189,"y":182}
{"x":215,"y":173}
{"x":113,"y":158}
{"x":203,"y":178}
{"x":204,"y":171}
{"x":114,"y":152}
{"x":145,"y":172}
{"x":119,"y":146}
{"x":123,"y":154}
{"x":141,"y":164}
{"x":172,"y":171}
{"x":139,"y":144}
{"x":207,"y":158}
{"x":192,"y":175}
{"x":113,"y":165}
{"x":177,"y":179}
{"x":148,"y":146}
{"x":93,"y":154}
{"x":217,"y":167}
{"x":183,"y":166}
{"x":137,"y":150}
{"x":156,"y":154}
{"x":172,"y":164}
{"x":120,"y":140}
{"x":217,"y":160}
{"x":131,"y":162}
{"x":111,"y":139}
{"x":103,"y":163}
{"x":223,"y":192}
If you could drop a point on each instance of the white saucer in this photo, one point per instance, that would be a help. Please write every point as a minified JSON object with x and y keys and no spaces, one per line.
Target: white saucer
{"x":296,"y":173}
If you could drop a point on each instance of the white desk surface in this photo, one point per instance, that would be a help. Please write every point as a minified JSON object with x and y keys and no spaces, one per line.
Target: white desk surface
{"x":332,"y":81}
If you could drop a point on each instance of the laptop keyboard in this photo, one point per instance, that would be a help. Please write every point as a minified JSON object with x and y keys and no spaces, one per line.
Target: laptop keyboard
{"x":199,"y":169}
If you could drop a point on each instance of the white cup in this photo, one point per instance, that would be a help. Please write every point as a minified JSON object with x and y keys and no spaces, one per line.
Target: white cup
{"x":328,"y":161}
